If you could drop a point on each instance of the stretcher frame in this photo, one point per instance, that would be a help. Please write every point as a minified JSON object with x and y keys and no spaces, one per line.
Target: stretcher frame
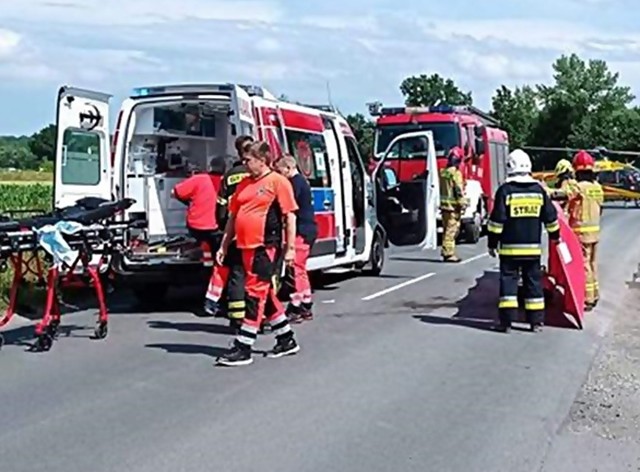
{"x":20,"y":248}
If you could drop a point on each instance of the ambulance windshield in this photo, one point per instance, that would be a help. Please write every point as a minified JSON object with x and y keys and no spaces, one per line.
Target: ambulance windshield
{"x":445,"y":135}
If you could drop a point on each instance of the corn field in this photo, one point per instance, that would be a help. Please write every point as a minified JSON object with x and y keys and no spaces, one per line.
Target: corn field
{"x":22,"y":196}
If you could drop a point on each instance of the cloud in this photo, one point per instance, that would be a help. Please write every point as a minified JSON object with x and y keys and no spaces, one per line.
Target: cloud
{"x":364,"y":49}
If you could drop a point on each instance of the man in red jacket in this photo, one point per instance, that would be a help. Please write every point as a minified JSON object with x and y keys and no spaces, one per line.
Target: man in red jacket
{"x":200,"y":192}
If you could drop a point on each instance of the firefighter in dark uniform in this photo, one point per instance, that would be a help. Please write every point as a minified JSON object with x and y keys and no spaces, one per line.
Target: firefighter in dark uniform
{"x":228,"y":280}
{"x":520,"y":208}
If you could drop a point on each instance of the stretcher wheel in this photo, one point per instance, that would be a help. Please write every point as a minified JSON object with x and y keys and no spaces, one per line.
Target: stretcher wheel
{"x":43,"y":343}
{"x":101,"y":330}
{"x":54,"y":329}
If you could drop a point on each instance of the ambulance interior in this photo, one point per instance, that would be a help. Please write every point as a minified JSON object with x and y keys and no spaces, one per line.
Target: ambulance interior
{"x":167,"y":143}
{"x":401,"y":205}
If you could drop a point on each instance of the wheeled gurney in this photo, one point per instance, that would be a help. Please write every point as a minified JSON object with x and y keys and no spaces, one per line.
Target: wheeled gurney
{"x":69,"y":237}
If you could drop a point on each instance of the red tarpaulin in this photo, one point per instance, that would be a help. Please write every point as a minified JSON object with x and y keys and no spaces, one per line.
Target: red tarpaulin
{"x":566,"y":275}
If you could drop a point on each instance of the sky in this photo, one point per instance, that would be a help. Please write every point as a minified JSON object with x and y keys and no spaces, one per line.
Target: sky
{"x":361,"y":48}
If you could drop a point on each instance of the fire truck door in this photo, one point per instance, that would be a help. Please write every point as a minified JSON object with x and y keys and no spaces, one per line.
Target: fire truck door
{"x":83,"y":159}
{"x":408,"y":210}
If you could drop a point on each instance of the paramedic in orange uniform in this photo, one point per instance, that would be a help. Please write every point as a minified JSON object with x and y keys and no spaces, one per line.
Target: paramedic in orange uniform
{"x":262,"y":202}
{"x":306,"y":232}
{"x":200,"y":191}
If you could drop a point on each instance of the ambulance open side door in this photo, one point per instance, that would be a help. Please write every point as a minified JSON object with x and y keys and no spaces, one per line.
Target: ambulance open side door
{"x":82,"y":166}
{"x":408,"y":210}
{"x":242,"y":118}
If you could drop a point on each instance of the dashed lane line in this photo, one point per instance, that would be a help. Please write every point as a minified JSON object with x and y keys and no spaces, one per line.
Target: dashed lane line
{"x":398,"y":286}
{"x":415,"y":280}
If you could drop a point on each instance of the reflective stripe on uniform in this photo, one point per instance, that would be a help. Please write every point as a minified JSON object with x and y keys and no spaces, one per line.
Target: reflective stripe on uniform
{"x":586,"y":229}
{"x":508,"y":302}
{"x":494,"y":227}
{"x":236,"y":315}
{"x":237,"y":305}
{"x":525,"y":198}
{"x":221,"y":201}
{"x":553,"y":226}
{"x":520,"y":250}
{"x":534,"y":303}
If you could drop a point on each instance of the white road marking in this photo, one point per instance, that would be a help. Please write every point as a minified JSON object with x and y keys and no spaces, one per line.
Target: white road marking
{"x":328,"y":301}
{"x":474,"y":258}
{"x":398,"y":287}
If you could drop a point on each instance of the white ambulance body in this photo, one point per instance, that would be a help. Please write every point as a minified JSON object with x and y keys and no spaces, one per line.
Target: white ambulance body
{"x":164,"y":133}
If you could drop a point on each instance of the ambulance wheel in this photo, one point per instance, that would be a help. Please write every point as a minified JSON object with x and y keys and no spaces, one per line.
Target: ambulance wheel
{"x":472,"y":230}
{"x":376,"y":260}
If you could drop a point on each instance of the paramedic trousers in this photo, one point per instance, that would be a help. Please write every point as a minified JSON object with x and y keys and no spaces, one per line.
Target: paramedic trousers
{"x":302,"y":292}
{"x":510,"y":270}
{"x":450,"y":229}
{"x":260,"y":266}
{"x":589,"y":253}
{"x":228,"y":279}
{"x":209,"y":241}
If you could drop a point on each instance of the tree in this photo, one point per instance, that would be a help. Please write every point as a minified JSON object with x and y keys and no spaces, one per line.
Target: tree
{"x":428,"y":90}
{"x":583,"y":105}
{"x":363,"y":129}
{"x":43,"y":143}
{"x":518,"y":113}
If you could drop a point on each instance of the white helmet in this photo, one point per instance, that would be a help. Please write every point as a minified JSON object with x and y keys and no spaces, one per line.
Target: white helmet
{"x":518,"y":162}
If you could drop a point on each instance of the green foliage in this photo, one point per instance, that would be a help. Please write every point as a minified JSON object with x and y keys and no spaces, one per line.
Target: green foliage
{"x":518,"y":112}
{"x":29,"y":196}
{"x":363,"y":130}
{"x":428,"y":90}
{"x":28,"y":152}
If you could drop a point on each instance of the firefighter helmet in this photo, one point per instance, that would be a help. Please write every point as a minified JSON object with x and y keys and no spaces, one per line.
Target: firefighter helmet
{"x":583,"y":161}
{"x":518,"y":162}
{"x":455,"y":156}
{"x":562,"y":167}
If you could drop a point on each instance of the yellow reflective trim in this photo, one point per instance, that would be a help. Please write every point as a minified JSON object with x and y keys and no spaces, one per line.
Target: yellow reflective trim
{"x":236,"y":315}
{"x":551,"y":227}
{"x":236,"y":178}
{"x":586,"y":229}
{"x":238,"y":304}
{"x":520,"y":252}
{"x":495,"y":228}
{"x":533,"y":305}
{"x":527,"y":197}
{"x":508,"y":302}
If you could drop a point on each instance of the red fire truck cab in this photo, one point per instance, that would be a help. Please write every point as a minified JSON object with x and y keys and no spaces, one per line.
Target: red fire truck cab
{"x":485,"y":146}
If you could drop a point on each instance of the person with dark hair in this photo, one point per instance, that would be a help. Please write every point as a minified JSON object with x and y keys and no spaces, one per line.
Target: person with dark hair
{"x":227,"y":279}
{"x":198,"y":191}
{"x":260,"y":205}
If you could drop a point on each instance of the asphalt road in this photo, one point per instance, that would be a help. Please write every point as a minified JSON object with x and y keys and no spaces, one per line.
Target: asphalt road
{"x":397,"y":373}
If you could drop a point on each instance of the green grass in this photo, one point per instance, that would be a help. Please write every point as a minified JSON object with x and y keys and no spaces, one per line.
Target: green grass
{"x":23,"y":194}
{"x":27,"y":176}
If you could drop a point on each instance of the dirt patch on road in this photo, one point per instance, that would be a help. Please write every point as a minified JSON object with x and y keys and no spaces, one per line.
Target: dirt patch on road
{"x":608,"y":405}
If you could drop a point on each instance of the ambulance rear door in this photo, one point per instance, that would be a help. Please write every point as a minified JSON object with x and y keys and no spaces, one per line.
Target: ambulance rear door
{"x":407,"y":210}
{"x":242,"y":106}
{"x":82,"y":165}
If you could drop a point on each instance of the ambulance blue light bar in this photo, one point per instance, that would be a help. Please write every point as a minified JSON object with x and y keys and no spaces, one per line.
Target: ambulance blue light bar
{"x":160,"y":90}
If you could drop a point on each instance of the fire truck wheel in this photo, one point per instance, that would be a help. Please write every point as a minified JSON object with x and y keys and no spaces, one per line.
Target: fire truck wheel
{"x":472,"y":230}
{"x":376,"y":260}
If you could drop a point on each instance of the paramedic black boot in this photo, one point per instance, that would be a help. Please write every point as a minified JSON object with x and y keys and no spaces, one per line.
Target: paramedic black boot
{"x":211,"y":307}
{"x":307,"y":311}
{"x":238,"y":355}
{"x":286,"y":345}
{"x":294,"y":313}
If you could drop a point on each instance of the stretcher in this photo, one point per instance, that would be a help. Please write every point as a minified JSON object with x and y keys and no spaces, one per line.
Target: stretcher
{"x":564,"y":278}
{"x":23,"y":245}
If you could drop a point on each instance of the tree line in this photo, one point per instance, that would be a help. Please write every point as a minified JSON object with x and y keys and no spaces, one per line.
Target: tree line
{"x":35,"y":152}
{"x":584,"y":106}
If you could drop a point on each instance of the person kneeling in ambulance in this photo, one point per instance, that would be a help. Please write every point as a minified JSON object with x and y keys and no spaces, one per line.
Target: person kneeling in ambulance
{"x":300,"y":307}
{"x":198,"y":192}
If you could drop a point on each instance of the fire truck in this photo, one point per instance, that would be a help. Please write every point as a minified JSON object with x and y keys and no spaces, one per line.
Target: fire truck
{"x":478,"y":134}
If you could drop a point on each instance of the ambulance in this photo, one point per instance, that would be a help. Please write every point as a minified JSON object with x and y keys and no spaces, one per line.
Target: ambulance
{"x":165,"y":133}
